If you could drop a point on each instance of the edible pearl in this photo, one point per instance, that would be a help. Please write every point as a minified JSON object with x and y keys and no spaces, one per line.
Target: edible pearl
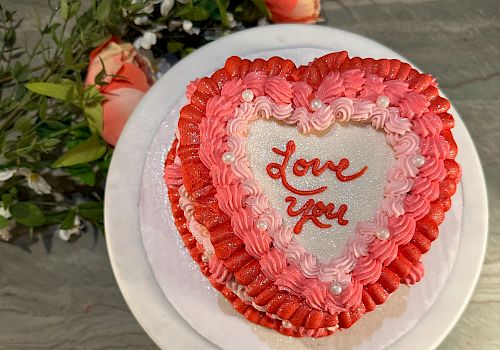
{"x":419,"y":161}
{"x":383,"y":101}
{"x":204,"y":258}
{"x":261,"y":225}
{"x":286,"y":324}
{"x":247,"y":95}
{"x":336,"y":289}
{"x":383,"y":234}
{"x":316,"y":104}
{"x":228,"y":157}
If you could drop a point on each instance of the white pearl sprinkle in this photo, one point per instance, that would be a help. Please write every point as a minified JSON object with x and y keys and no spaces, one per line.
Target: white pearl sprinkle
{"x":286,"y":324}
{"x":247,"y":95}
{"x":336,"y":289}
{"x":383,"y":234}
{"x":205,"y":258}
{"x":316,"y":104}
{"x":419,"y":161}
{"x":261,"y":225}
{"x":228,"y":157}
{"x":383,"y":101}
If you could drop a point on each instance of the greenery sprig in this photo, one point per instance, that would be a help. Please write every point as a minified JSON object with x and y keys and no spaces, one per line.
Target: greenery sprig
{"x":53,"y":161}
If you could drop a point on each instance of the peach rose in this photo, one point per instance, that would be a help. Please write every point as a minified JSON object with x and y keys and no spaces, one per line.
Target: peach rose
{"x":133,"y":78}
{"x":299,"y":11}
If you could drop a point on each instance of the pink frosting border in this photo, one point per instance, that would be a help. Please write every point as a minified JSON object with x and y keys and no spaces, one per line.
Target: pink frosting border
{"x":408,"y":192}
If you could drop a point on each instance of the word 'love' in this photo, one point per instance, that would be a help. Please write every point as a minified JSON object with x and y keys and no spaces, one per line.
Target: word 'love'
{"x":311,"y":210}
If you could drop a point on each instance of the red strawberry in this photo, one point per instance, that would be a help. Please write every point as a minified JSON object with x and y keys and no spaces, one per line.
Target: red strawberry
{"x":382,"y":68}
{"x":394,"y":69}
{"x":237,"y":260}
{"x":258,"y":285}
{"x":439,"y":105}
{"x":298,"y":319}
{"x":420,"y":82}
{"x":248,"y":273}
{"x":447,"y":120}
{"x":368,"y":302}
{"x":403,"y":71}
{"x":225,"y":248}
{"x":377,"y":293}
{"x":220,"y":77}
{"x":431,"y":92}
{"x":273,"y":66}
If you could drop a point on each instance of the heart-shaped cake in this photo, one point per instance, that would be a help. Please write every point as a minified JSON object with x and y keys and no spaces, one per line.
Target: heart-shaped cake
{"x":308,"y":195}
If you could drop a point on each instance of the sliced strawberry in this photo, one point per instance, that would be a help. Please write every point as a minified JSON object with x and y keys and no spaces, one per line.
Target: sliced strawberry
{"x":447,"y":187}
{"x":277,"y":300}
{"x":225,"y":248}
{"x":288,"y":308}
{"x":394,"y":69}
{"x":430,"y":93}
{"x":287,"y":68}
{"x":377,"y":293}
{"x":346,"y":65}
{"x":421,"y":242}
{"x":298,"y":319}
{"x":233,"y":66}
{"x":367,"y":301}
{"x":389,"y":280}
{"x":439,"y":105}
{"x":258,"y":285}
{"x":248,"y":273}
{"x":381,"y":68}
{"x":368,"y":65}
{"x":412,"y":74}
{"x":411,"y":252}
{"x":403,"y":71}
{"x":208,"y":86}
{"x":314,"y":319}
{"x":240,"y":306}
{"x":451,"y":142}
{"x":258,"y":65}
{"x":244,"y":67}
{"x":221,"y":233}
{"x":356,"y":63}
{"x":452,"y":169}
{"x":253,"y":315}
{"x":220,"y":77}
{"x":420,"y":82}
{"x":190,"y":113}
{"x":239,"y":259}
{"x":400,"y":266}
{"x":273,"y":66}
{"x":199,"y":99}
{"x":428,"y":228}
{"x":266,"y":295}
{"x":445,"y":202}
{"x":447,"y":120}
{"x":436,"y":213}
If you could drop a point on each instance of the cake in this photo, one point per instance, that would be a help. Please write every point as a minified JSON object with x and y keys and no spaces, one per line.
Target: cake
{"x":307,"y":195}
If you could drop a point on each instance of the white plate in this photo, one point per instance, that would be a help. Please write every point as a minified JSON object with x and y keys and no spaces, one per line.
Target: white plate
{"x":129,"y":257}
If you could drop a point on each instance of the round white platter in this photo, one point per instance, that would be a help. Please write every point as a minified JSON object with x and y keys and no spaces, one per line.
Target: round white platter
{"x":154,"y":272}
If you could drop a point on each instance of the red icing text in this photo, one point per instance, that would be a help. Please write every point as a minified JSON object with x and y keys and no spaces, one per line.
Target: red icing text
{"x":311,"y":210}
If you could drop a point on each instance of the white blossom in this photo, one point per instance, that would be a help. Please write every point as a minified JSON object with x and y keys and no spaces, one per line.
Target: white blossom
{"x":76,"y":230}
{"x":232,"y":22}
{"x":262,"y":22}
{"x":149,"y":8}
{"x":142,"y":20}
{"x":184,"y":1}
{"x":187,"y":26}
{"x":35,"y":181}
{"x":147,"y":40}
{"x":5,"y":212}
{"x":7,"y":174}
{"x":166,"y":7}
{"x":5,"y":234}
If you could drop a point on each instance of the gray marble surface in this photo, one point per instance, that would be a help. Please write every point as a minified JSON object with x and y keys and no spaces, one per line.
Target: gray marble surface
{"x":69,"y":299}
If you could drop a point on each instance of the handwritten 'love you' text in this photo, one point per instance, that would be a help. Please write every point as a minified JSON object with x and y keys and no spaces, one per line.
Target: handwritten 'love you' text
{"x":311,"y":210}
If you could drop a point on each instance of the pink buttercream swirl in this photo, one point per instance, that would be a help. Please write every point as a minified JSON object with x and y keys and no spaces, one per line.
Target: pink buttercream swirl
{"x":225,"y":130}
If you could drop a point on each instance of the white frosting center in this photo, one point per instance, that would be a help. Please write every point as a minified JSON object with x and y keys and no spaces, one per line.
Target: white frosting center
{"x":361,"y":144}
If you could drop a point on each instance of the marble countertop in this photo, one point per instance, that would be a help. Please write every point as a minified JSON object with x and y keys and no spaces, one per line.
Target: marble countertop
{"x":68,"y":298}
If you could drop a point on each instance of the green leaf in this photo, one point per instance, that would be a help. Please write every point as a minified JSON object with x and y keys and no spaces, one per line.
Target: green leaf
{"x":93,"y":110}
{"x":174,"y":46}
{"x":27,"y":214}
{"x":68,"y":53}
{"x":59,"y":91}
{"x":63,"y":4}
{"x":69,"y":221}
{"x":3,"y":222}
{"x":261,"y":5}
{"x":52,"y":218}
{"x":24,"y":123}
{"x":84,"y":173}
{"x":193,"y":13}
{"x":89,"y":150}
{"x":7,"y":200}
{"x":92,"y":211}
{"x":104,"y":10}
{"x":223,"y":14}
